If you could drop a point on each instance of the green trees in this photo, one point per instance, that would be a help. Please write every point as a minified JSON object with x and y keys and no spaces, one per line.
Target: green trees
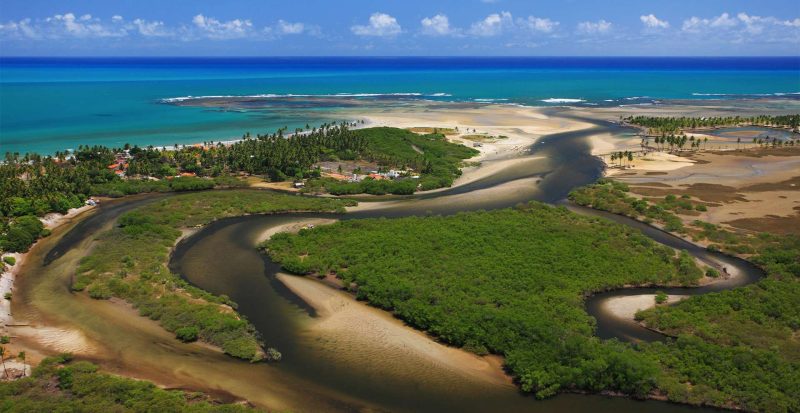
{"x":59,"y":384}
{"x":736,"y":347}
{"x":21,"y":233}
{"x":669,"y":125}
{"x":510,"y":282}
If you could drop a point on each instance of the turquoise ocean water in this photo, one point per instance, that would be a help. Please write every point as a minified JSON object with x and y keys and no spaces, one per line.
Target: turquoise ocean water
{"x":49,"y":104}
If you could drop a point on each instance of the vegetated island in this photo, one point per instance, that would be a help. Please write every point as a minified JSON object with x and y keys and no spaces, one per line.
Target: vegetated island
{"x":130,"y":262}
{"x":736,"y":348}
{"x":509,"y":282}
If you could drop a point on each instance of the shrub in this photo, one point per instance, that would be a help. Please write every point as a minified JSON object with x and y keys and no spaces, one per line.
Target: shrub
{"x":9,"y":260}
{"x":661,"y":297}
{"x":187,"y":334}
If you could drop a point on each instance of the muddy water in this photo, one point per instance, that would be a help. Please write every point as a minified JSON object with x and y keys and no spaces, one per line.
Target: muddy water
{"x":316,"y":374}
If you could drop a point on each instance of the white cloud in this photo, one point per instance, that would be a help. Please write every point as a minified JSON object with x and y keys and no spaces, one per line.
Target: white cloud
{"x":87,"y":26}
{"x":21,"y":28}
{"x":285,"y":27}
{"x":68,"y":25}
{"x":652,"y":22}
{"x":492,"y":25}
{"x":438,"y":25}
{"x":538,"y":24}
{"x":380,"y":24}
{"x":150,"y":28}
{"x":696,"y":24}
{"x":744,"y":28}
{"x":599,"y":27}
{"x":215,"y":29}
{"x":757,"y":24}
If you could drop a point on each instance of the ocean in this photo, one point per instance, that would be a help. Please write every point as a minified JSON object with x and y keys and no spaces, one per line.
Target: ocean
{"x":55,"y":104}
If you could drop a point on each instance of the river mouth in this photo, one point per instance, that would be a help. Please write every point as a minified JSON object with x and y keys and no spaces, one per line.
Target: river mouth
{"x":319,"y":372}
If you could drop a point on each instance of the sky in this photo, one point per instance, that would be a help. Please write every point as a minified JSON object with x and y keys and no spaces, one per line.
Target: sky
{"x":399,"y":28}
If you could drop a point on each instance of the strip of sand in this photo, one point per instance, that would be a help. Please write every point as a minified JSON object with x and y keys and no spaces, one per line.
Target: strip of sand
{"x":626,"y":307}
{"x":357,"y":328}
{"x":295,"y":226}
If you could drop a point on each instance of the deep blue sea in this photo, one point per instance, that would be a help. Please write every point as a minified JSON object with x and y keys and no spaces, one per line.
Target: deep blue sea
{"x":50,"y":104}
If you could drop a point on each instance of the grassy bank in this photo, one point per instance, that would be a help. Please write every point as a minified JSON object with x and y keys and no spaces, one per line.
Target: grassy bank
{"x":735,"y":348}
{"x":130,"y":262}
{"x":60,"y":385}
{"x":509,"y":282}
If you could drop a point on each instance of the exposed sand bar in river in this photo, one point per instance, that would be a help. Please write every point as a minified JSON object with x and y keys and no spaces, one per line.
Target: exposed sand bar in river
{"x":350,"y":324}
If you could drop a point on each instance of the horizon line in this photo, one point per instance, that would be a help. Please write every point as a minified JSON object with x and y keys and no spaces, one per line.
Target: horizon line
{"x":395,"y":56}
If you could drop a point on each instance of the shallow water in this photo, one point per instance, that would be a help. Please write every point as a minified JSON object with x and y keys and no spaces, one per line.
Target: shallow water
{"x":52,"y":104}
{"x":747,"y":133}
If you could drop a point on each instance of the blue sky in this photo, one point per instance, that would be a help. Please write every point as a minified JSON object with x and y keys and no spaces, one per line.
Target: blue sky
{"x":399,"y":27}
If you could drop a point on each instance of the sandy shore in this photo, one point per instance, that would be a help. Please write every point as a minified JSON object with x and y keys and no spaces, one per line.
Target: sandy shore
{"x":739,"y":190}
{"x":294,"y":227}
{"x":54,"y":219}
{"x":405,"y":351}
{"x":626,"y":307}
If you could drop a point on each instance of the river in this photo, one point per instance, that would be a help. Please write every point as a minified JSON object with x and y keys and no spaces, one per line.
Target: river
{"x":318,"y":374}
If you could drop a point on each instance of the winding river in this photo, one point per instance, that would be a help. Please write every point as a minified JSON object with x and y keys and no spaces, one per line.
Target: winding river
{"x":319,"y":373}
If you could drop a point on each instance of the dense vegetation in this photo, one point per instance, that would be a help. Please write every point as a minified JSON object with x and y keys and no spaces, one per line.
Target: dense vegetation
{"x":436,"y":160}
{"x":612,"y":196}
{"x":33,"y":185}
{"x":734,"y":348}
{"x":129,"y":262}
{"x":660,"y":124}
{"x":59,"y":384}
{"x":510,"y":282}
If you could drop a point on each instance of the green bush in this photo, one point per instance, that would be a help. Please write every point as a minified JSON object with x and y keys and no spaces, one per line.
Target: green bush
{"x":9,"y":260}
{"x":187,"y":334}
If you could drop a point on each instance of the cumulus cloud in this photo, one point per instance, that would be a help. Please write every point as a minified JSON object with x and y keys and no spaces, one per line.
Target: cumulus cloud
{"x":745,"y":28}
{"x":599,"y":27}
{"x":504,"y":23}
{"x":696,"y":24}
{"x":492,"y":25}
{"x":438,"y":25}
{"x":285,"y":27}
{"x":652,"y":22}
{"x":538,"y":24}
{"x":757,"y":24}
{"x":215,"y":29}
{"x":86,"y":26}
{"x":150,"y":28}
{"x":380,"y":25}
